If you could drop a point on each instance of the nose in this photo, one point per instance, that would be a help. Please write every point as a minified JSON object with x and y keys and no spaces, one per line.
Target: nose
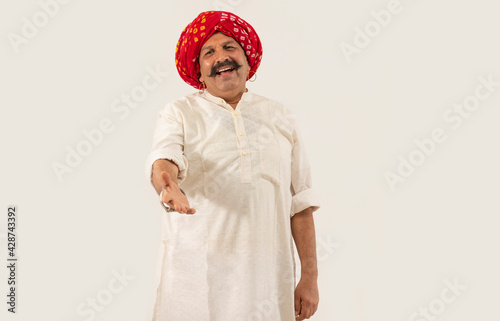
{"x":220,"y":54}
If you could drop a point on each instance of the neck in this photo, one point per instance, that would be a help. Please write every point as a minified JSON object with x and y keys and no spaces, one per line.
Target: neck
{"x":231,"y":98}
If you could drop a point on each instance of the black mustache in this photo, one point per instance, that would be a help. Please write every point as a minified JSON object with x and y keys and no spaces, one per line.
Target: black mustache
{"x":226,"y":63}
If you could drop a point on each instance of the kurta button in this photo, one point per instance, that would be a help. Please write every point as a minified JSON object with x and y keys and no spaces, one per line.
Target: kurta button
{"x":240,"y":133}
{"x":244,"y":153}
{"x":221,"y":101}
{"x":236,"y":114}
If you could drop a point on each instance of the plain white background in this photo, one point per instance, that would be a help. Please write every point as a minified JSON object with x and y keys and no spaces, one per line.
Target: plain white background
{"x":385,"y":254}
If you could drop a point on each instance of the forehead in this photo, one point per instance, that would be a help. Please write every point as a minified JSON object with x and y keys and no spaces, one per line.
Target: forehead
{"x":217,"y":38}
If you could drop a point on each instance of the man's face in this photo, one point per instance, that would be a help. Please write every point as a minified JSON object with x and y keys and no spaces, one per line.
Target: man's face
{"x":223,"y":65}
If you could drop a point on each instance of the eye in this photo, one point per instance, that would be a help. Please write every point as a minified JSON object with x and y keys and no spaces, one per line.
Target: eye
{"x":208,"y":52}
{"x":229,"y":47}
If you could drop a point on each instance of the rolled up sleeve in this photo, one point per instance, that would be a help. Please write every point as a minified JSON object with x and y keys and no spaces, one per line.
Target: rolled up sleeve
{"x":168,"y":142}
{"x":303,"y":194}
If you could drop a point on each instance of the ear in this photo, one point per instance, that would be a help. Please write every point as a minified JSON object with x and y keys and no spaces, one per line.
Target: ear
{"x":201,"y":79}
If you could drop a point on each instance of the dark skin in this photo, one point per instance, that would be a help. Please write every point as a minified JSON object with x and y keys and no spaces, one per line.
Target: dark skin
{"x":306,"y":292}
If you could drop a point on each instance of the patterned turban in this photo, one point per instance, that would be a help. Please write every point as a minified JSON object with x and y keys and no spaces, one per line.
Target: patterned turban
{"x":194,"y":36}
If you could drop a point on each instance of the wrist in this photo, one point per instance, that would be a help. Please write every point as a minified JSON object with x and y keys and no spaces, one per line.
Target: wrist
{"x":309,"y":268}
{"x":309,"y":275}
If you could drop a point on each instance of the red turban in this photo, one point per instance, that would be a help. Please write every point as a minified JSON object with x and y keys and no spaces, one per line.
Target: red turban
{"x":194,"y":36}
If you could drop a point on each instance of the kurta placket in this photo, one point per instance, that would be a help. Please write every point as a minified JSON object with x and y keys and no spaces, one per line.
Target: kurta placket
{"x":243,"y":145}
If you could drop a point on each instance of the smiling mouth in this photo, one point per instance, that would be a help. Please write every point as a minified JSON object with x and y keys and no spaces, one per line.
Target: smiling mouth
{"x":224,"y":70}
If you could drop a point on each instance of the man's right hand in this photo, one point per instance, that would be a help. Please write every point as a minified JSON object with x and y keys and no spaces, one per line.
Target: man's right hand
{"x":173,"y":196}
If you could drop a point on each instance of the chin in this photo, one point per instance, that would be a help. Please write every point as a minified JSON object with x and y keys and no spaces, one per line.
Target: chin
{"x":228,"y":86}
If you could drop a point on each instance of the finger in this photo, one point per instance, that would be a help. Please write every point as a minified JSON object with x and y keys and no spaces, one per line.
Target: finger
{"x":297,"y":305}
{"x":314,"y":305}
{"x":189,"y":210}
{"x":314,"y":309}
{"x":305,"y":311}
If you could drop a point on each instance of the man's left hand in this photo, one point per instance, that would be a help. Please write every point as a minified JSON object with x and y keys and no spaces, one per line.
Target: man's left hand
{"x":306,"y":298}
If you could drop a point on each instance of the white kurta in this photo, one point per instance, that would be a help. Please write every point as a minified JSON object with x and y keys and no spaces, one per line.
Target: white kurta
{"x":245,"y":172}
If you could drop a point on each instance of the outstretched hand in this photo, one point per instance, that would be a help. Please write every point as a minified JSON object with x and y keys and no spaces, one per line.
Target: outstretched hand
{"x":172,"y":195}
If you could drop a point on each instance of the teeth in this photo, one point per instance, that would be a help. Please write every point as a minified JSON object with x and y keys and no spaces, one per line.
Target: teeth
{"x":225,"y":69}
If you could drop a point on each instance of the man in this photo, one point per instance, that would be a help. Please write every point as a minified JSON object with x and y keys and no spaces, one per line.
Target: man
{"x":227,"y":250}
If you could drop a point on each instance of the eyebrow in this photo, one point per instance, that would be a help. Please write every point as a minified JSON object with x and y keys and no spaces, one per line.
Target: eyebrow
{"x":223,"y":44}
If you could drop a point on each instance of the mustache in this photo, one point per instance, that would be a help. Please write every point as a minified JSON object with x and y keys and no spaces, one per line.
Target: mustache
{"x":226,"y":63}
